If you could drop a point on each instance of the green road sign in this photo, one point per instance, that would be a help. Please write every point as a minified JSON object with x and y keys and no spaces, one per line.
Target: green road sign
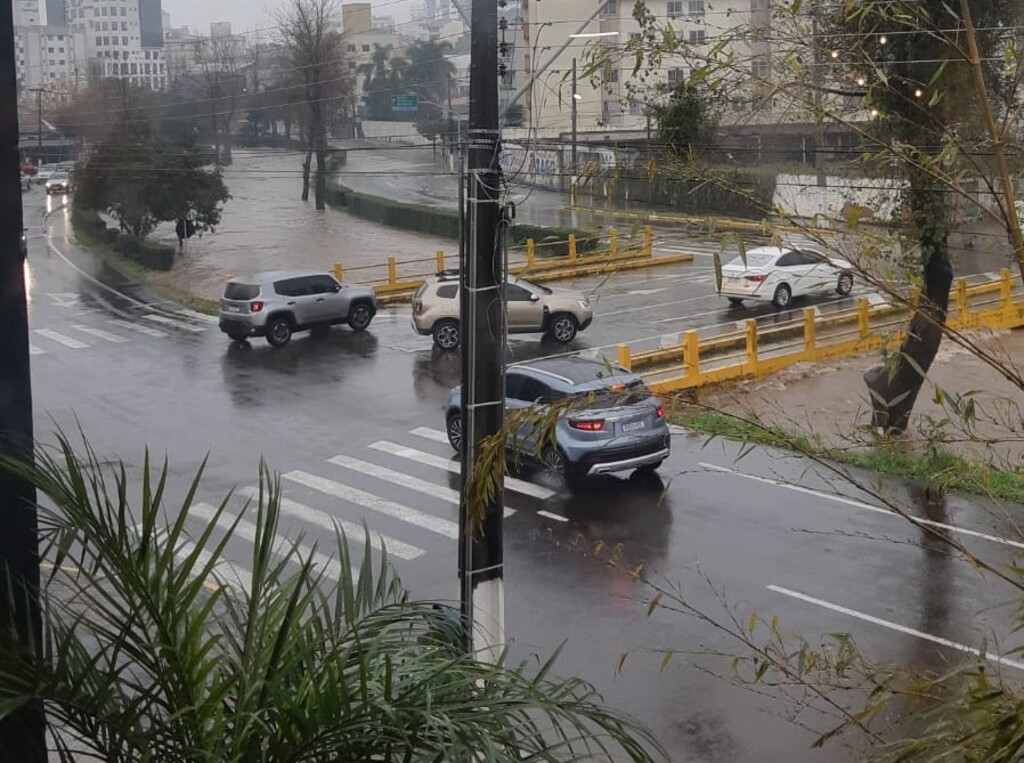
{"x":405,"y":103}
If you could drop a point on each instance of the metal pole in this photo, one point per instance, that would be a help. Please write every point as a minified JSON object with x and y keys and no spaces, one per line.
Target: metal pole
{"x":483,"y":321}
{"x":22,"y":734}
{"x":575,"y":163}
{"x":39,"y":127}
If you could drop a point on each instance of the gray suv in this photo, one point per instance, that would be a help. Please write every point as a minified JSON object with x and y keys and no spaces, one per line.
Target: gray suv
{"x":277,"y":304}
{"x":606,"y":420}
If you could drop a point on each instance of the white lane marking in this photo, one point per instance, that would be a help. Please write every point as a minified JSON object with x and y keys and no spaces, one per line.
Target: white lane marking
{"x":327,"y":522}
{"x":375,"y":503}
{"x":862,"y":505}
{"x":33,"y":350}
{"x":403,"y":479}
{"x":428,"y":459}
{"x":227,"y":572}
{"x":65,"y":299}
{"x":67,"y":341}
{"x":100,"y":334}
{"x":641,"y":308}
{"x":645,"y":292}
{"x":991,"y":657}
{"x":139,"y":328}
{"x":198,"y":315}
{"x":171,"y":322}
{"x":549,"y":515}
{"x":430,"y":434}
{"x":282,"y":546}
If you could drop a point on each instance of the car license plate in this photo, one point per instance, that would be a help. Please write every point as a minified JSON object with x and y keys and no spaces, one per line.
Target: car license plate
{"x":232,"y":309}
{"x":632,"y":426}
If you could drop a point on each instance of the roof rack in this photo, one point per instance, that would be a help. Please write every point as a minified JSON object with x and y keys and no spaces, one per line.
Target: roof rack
{"x":448,"y":274}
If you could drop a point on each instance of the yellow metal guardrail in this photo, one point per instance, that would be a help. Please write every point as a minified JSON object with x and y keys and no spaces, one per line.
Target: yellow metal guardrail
{"x":758,"y":351}
{"x":401,"y":278}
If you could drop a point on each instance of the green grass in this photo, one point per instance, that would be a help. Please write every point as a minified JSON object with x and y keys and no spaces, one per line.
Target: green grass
{"x":935,"y":467}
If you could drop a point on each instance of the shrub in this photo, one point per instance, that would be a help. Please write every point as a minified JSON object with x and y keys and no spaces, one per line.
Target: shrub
{"x":89,"y":226}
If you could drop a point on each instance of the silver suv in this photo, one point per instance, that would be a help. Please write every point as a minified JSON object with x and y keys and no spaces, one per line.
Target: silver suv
{"x":559,"y":314}
{"x":277,"y":304}
{"x":606,"y":420}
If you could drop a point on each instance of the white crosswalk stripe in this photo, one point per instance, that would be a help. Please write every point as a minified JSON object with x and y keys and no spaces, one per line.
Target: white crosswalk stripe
{"x":59,"y":338}
{"x":430,"y":434}
{"x":325,"y":521}
{"x":33,"y":350}
{"x":282,"y":547}
{"x":400,"y":478}
{"x":198,"y":316}
{"x":139,"y":328}
{"x":100,"y":333}
{"x":231,"y":574}
{"x":438,"y":462}
{"x":163,"y":319}
{"x":375,"y":503}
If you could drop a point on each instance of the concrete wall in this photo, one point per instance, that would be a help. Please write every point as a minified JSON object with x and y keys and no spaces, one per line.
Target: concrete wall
{"x":404,"y":133}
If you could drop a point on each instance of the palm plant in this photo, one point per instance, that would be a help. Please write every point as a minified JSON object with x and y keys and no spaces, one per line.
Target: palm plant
{"x":152,"y":650}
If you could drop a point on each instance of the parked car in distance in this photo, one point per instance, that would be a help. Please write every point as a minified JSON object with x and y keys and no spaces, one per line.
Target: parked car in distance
{"x":277,"y":304}
{"x":607,"y":420}
{"x":44,"y":172}
{"x":58,"y":182}
{"x":778,"y":274}
{"x":558,"y":314}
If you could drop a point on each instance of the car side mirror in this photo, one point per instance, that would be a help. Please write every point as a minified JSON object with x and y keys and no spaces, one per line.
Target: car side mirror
{"x":535,"y":298}
{"x":337,"y":288}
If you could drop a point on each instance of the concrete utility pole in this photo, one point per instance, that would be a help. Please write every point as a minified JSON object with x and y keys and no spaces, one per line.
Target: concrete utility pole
{"x":481,"y":562}
{"x":22,"y":734}
{"x":575,"y":115}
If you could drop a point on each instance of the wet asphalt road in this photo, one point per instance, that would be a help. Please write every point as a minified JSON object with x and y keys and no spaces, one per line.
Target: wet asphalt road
{"x":353,"y":421}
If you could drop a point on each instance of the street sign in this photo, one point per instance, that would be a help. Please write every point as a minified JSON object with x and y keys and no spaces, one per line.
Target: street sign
{"x":405,"y":103}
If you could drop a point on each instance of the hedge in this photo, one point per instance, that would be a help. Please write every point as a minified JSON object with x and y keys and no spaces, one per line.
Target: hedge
{"x":89,"y":227}
{"x":445,"y":223}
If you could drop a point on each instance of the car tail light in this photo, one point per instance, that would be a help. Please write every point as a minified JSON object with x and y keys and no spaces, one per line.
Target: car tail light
{"x":417,"y":307}
{"x":587,"y":425}
{"x":222,"y":303}
{"x":255,"y":306}
{"x":756,"y":279}
{"x":660,"y":412}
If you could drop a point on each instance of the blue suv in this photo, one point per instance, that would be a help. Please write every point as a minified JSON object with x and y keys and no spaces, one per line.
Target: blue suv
{"x":606,"y":420}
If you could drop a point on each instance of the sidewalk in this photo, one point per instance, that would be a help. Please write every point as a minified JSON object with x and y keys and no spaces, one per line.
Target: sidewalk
{"x":829,"y":400}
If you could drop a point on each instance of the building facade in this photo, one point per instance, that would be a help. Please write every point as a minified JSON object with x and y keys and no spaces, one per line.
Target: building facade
{"x":151,"y":23}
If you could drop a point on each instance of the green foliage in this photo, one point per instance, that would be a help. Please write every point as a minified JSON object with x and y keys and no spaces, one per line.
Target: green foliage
{"x":429,"y":76}
{"x":142,"y":180}
{"x":92,"y":231}
{"x":154,"y":648}
{"x":686,"y":120}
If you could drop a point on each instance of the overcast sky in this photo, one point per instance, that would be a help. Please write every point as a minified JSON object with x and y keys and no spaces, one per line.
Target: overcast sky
{"x":250,"y":14}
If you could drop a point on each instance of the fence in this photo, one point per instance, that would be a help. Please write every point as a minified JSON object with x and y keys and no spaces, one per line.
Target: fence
{"x":397,"y":280}
{"x":756,"y":350}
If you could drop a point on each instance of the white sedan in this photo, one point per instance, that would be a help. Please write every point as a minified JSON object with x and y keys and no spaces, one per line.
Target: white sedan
{"x":777,"y":274}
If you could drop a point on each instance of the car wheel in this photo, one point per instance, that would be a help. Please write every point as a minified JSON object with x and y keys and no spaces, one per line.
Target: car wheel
{"x":360,"y":317}
{"x":454,"y":429}
{"x":553,"y":460}
{"x":447,"y":335}
{"x":563,"y":328}
{"x":735,"y":302}
{"x":783,"y":297}
{"x":279,"y":332}
{"x":845,"y":284}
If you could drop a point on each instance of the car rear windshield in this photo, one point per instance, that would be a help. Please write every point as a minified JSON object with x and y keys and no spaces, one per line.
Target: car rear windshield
{"x":755,"y":260}
{"x":616,"y":396}
{"x":241,"y":291}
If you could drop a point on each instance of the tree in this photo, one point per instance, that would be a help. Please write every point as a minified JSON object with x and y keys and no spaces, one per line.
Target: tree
{"x":222,"y":82}
{"x":143,"y":180}
{"x":686,"y":120}
{"x":309,"y":34}
{"x":383,"y":79}
{"x":156,"y":649}
{"x":429,"y":76}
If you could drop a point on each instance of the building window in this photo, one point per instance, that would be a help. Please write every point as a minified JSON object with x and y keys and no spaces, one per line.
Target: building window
{"x":675,"y":9}
{"x":696,"y":8}
{"x":676,"y":76}
{"x":49,"y":50}
{"x":610,"y":8}
{"x":60,"y":38}
{"x":124,"y":41}
{"x":635,"y":37}
{"x":146,"y":54}
{"x":351,"y":48}
{"x":352,"y":65}
{"x":99,"y":42}
{"x":124,"y":26}
{"x":759,"y":68}
{"x":103,"y":11}
{"x":62,"y":62}
{"x":135,"y":68}
{"x":697,"y":37}
{"x":124,"y":11}
{"x":366,"y":49}
{"x":124,"y":68}
{"x":613,"y":75}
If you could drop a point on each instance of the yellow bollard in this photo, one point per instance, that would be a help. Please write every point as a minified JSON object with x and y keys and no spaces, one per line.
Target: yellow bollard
{"x":691,"y":353}
{"x":961,"y":299}
{"x":915,"y":296}
{"x":863,"y":315}
{"x":1006,"y":293}
{"x":338,"y":271}
{"x":809,"y":332}
{"x":613,"y":242}
{"x":752,"y":342}
{"x":648,"y":241}
{"x":625,"y":357}
{"x":572,"y":247}
{"x":531,"y":254}
{"x":440,"y":261}
{"x":392,"y":271}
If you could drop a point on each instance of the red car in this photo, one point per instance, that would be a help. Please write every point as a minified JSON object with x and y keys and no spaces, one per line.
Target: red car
{"x":28,"y":169}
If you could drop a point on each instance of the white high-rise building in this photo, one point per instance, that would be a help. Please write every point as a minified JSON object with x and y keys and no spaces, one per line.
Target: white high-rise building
{"x":113,"y":40}
{"x":26,"y":13}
